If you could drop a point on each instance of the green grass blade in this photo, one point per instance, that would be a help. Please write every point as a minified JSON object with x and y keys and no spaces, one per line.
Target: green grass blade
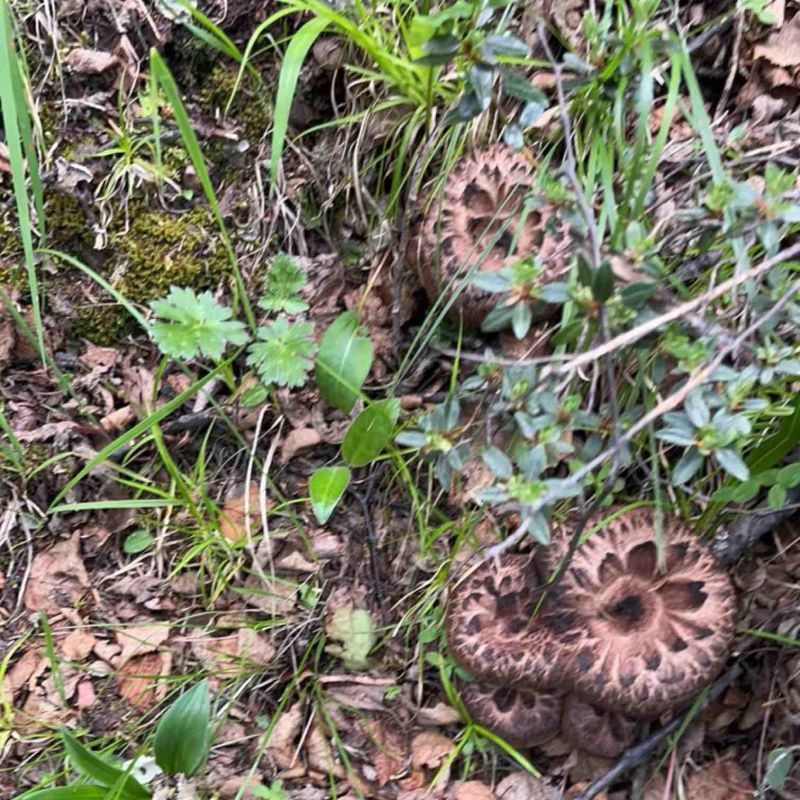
{"x":167,"y":83}
{"x":16,"y":124}
{"x":248,"y":50}
{"x":290,"y":70}
{"x":141,"y":427}
{"x":102,"y":282}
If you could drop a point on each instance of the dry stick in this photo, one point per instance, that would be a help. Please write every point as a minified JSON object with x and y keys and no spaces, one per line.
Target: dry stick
{"x":631,"y":336}
{"x":668,"y":404}
{"x":635,"y":755}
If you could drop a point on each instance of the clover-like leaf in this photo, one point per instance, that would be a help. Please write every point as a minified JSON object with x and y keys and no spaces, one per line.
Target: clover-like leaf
{"x":282,"y":355}
{"x":189,"y":324}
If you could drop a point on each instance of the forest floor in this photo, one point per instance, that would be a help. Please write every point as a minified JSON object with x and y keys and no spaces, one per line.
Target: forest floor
{"x":274,"y":479}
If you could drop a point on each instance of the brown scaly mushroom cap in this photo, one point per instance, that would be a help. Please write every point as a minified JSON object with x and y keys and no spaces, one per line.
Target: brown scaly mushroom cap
{"x":643,"y":642}
{"x":523,"y":719}
{"x":600,"y":733}
{"x":491,"y":631}
{"x":483,"y":201}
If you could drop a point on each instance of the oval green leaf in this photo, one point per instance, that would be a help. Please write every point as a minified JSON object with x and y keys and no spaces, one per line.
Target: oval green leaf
{"x":181,"y":740}
{"x":370,"y":432}
{"x":343,"y":361}
{"x":326,"y":488}
{"x":137,"y":542}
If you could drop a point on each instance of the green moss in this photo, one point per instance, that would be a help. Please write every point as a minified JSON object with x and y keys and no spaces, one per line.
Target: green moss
{"x":158,"y":250}
{"x":161,"y":250}
{"x":250,"y":106}
{"x":101,"y":325}
{"x":67,"y":227}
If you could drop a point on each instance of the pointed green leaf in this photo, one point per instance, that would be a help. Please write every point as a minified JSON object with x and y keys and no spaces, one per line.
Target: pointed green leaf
{"x":181,"y":740}
{"x":92,"y":766}
{"x":326,"y":487}
{"x":370,"y":432}
{"x":299,"y":45}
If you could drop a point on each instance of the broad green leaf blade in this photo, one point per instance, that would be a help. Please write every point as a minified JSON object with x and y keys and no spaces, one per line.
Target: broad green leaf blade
{"x":100,"y":771}
{"x":299,"y":46}
{"x":343,"y":362}
{"x":181,"y":741}
{"x":775,"y":447}
{"x":326,"y":488}
{"x":75,"y":792}
{"x":370,"y":432}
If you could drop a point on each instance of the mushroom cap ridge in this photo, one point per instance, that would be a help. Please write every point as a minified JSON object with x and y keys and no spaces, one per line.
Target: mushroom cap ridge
{"x":492,"y":631}
{"x":643,"y":642}
{"x":523,"y":719}
{"x":480,"y":222}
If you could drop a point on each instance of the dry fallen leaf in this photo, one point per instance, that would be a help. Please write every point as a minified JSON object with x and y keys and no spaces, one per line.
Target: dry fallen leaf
{"x":782,"y":47}
{"x":138,"y":679}
{"x":31,"y":664}
{"x":78,"y":644}
{"x":90,"y":62}
{"x":58,"y":578}
{"x":390,"y":753}
{"x":430,"y":749}
{"x":137,"y":640}
{"x":276,"y":597}
{"x":85,"y":695}
{"x":233,"y":517}
{"x":230,"y":653}
{"x":722,"y":780}
{"x":281,"y":748}
{"x":297,"y":441}
{"x":473,"y":790}
{"x":522,"y":786}
{"x":319,"y":753}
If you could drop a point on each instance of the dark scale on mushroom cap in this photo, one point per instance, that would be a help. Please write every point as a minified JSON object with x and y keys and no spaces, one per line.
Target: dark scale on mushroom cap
{"x":645,"y":642}
{"x":491,"y":630}
{"x":523,"y":719}
{"x":601,"y":733}
{"x":479,"y":222}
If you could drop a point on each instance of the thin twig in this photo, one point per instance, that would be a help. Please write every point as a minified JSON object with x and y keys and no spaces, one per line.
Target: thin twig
{"x":639,"y":332}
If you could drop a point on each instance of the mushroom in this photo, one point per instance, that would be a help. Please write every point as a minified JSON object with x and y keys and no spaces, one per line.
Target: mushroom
{"x":595,"y":731}
{"x":616,"y":632}
{"x":491,"y":629}
{"x":641,"y":641}
{"x":482,"y":222}
{"x":523,"y":719}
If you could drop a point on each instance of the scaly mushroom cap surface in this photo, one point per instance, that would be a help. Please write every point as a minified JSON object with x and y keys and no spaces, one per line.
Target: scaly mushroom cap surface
{"x":523,"y":719}
{"x":491,"y":629}
{"x":595,"y":731}
{"x":643,"y":642}
{"x":479,"y":224}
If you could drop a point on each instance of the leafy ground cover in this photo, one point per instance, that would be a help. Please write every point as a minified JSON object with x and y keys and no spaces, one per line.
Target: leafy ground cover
{"x":244,"y":456}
